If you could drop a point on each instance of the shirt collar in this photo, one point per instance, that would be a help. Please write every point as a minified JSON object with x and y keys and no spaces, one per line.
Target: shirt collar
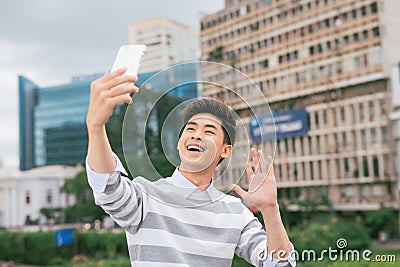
{"x":190,"y":189}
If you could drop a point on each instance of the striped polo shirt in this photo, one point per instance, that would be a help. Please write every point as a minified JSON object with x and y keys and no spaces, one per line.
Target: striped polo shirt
{"x":171,"y":222}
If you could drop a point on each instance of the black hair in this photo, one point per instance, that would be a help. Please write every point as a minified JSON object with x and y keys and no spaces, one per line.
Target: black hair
{"x":219,"y":110}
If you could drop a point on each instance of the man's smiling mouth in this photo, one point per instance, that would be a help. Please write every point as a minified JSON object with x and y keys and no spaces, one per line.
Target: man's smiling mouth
{"x":195,"y":148}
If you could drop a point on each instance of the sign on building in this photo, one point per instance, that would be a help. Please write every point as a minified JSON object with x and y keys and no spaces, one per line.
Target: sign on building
{"x":280,"y":125}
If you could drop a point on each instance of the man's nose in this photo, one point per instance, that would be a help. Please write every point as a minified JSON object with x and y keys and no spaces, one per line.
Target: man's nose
{"x":197,"y":135}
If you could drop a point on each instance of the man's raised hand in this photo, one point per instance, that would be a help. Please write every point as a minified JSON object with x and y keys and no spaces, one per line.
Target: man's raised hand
{"x":261,"y":179}
{"x":105,"y":93}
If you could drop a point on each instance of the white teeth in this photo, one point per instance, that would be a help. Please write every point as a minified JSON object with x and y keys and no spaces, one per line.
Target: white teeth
{"x":195,"y":147}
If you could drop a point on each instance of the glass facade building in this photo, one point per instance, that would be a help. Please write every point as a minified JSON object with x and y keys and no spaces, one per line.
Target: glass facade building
{"x":52,"y":123}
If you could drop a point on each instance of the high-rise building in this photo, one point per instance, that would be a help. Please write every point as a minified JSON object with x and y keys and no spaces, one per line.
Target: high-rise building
{"x":168,"y":42}
{"x":329,"y":64}
{"x":52,"y":123}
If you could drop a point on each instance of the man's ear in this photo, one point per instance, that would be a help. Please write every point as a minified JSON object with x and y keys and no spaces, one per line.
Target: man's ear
{"x":227,"y":151}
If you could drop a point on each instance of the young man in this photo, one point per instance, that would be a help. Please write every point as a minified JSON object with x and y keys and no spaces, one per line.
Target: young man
{"x":183,"y":220}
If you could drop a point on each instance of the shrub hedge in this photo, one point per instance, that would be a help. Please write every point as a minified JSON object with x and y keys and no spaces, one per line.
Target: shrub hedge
{"x":39,"y":248}
{"x":320,"y":236}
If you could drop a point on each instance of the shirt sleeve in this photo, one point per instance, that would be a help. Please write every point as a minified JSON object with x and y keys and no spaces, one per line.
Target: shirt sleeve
{"x":118,"y":196}
{"x":252,"y":245}
{"x":98,"y":181}
{"x":252,"y":241}
{"x":289,"y":261}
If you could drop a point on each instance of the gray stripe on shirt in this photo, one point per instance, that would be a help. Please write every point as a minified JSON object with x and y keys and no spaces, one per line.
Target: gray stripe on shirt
{"x":169,"y":194}
{"x":172,"y":255}
{"x":174,"y":226}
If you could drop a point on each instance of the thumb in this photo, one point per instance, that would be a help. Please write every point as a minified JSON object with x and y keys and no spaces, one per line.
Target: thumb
{"x":243,"y":194}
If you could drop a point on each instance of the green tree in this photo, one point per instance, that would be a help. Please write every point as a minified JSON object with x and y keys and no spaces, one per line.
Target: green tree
{"x":384,"y":219}
{"x":153,"y":125}
{"x":84,"y":209}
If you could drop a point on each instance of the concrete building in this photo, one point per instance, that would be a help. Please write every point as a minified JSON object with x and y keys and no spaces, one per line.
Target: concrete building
{"x":23,"y":194}
{"x":168,"y":42}
{"x":332,"y":58}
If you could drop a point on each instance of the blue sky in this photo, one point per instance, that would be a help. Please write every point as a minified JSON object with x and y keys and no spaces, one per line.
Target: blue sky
{"x":49,"y":41}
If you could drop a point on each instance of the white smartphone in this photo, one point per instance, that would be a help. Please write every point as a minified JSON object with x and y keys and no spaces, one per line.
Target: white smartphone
{"x":129,"y":56}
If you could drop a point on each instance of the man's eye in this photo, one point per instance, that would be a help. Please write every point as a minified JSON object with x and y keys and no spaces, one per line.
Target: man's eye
{"x":210,"y":132}
{"x":189,"y":129}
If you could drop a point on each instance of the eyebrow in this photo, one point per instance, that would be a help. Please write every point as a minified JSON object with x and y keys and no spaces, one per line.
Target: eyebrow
{"x":207,"y":125}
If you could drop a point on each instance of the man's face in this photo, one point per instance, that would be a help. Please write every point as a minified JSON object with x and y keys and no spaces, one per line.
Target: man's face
{"x":201,"y":144}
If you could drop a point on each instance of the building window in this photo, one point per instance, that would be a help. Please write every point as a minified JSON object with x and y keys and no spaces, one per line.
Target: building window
{"x":365,"y":60}
{"x":49,"y":196}
{"x":374,"y":8}
{"x":357,"y":62}
{"x":342,"y":114}
{"x":27,"y":197}
{"x":325,"y":116}
{"x":375,"y":32}
{"x":361,"y":110}
{"x":363,"y":137}
{"x":346,"y":165}
{"x":373,"y":135}
{"x":375,"y":164}
{"x":346,"y":39}
{"x":354,"y":14}
{"x":319,"y":48}
{"x":344,"y":139}
{"x":311,"y":49}
{"x":328,"y":45}
{"x":365,"y":34}
{"x":327,"y":23}
{"x":371,"y":108}
{"x":384,"y":134}
{"x":363,"y":11}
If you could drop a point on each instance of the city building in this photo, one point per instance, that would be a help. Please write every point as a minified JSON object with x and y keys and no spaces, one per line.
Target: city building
{"x":52,"y":123}
{"x":24,"y":194}
{"x":168,"y":42}
{"x":327,"y":63}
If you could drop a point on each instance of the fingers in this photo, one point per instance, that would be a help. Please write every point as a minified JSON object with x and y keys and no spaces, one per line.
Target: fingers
{"x":262,"y":162}
{"x":259,"y":162}
{"x":112,"y":75}
{"x":122,"y":89}
{"x":111,"y":80}
{"x":271,"y":171}
{"x":248,"y":168}
{"x":125,"y":98}
{"x":118,"y":80}
{"x":255,"y":159}
{"x":243,"y":194}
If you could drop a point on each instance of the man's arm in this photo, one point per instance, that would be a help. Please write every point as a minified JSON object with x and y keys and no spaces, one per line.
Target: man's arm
{"x":105,"y":93}
{"x":263,"y":194}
